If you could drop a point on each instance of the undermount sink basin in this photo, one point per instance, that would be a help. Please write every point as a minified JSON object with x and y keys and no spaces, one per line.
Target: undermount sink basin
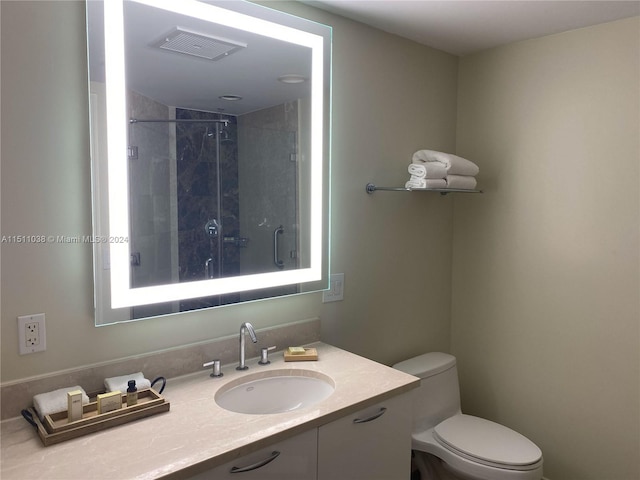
{"x":275,"y":391}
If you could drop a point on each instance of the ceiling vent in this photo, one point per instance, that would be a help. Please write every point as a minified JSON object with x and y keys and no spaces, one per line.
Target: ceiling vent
{"x":198,"y":45}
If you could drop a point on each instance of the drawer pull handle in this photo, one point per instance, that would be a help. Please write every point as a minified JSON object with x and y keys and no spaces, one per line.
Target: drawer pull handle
{"x":372,"y":417}
{"x":256,"y":465}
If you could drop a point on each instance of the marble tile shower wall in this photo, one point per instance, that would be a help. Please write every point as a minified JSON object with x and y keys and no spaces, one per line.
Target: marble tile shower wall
{"x":198,"y":165}
{"x":268,"y":141}
{"x":151,"y":226}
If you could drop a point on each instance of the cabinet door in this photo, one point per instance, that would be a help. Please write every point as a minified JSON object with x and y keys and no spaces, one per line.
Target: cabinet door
{"x":374,"y":443}
{"x":291,"y":459}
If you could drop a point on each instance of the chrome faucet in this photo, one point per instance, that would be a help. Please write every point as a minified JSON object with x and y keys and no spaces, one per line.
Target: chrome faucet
{"x":244,"y":328}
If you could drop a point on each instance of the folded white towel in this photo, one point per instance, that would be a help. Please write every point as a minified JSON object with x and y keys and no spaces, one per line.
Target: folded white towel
{"x":122,"y":382}
{"x":455,"y":165}
{"x":56,"y":401}
{"x":463,"y":182}
{"x":428,"y":170}
{"x":416,"y":182}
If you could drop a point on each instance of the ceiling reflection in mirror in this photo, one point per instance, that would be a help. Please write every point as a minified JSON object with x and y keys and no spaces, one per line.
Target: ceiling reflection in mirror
{"x":209,"y":144}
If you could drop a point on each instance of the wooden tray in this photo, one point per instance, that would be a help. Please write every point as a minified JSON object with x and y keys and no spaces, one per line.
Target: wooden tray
{"x":309,"y":354}
{"x":55,"y":428}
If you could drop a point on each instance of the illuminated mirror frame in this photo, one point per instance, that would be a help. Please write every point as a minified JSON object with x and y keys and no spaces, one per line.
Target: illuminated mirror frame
{"x":122,"y":294}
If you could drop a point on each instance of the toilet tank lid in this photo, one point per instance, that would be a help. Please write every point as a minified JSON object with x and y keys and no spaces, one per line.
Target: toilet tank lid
{"x":427,"y":364}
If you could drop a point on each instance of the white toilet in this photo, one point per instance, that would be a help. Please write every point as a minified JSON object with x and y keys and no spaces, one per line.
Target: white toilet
{"x":448,"y":444}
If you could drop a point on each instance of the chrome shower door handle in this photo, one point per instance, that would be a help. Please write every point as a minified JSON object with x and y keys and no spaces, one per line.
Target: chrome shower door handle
{"x":278,"y":263}
{"x":207,"y":268}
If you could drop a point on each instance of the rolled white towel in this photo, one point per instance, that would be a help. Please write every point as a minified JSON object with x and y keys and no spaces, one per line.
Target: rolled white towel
{"x":455,"y":165}
{"x":122,"y":382}
{"x":415,"y":182}
{"x":428,"y":170}
{"x":463,"y":182}
{"x":55,"y":401}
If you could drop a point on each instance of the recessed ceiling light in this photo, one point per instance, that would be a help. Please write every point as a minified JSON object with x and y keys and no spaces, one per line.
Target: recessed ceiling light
{"x":230,"y":98}
{"x":292,"y":78}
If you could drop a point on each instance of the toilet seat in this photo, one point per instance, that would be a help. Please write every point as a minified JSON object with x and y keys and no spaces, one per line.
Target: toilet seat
{"x":487,"y":443}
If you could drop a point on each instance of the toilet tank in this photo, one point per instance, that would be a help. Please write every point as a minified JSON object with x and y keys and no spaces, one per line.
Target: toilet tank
{"x":438,"y":396}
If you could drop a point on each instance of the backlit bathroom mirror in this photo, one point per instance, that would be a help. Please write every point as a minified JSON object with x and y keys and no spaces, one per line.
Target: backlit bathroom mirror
{"x":209,"y":142}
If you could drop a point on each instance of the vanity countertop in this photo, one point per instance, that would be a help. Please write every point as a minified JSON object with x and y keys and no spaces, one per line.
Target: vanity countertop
{"x":196,"y":434}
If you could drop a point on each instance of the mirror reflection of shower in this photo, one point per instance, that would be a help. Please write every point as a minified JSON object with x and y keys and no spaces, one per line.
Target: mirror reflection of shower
{"x":185,"y":204}
{"x":187,"y":172}
{"x":207,"y":197}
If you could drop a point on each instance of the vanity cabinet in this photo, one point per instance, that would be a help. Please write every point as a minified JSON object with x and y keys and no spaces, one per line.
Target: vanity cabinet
{"x":374,"y":443}
{"x":291,"y":459}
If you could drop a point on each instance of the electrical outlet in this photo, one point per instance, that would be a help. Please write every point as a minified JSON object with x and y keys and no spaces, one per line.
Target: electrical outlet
{"x":32,"y":335}
{"x":336,"y":288}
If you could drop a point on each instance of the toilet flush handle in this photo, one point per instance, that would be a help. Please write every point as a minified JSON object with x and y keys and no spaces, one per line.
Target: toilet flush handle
{"x":372,"y":417}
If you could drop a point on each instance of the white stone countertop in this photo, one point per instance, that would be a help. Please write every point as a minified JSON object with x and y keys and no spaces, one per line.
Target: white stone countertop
{"x":196,"y":434}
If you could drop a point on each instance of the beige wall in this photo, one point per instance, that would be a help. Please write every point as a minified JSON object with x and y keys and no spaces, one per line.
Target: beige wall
{"x":545,"y":310}
{"x":391,"y":96}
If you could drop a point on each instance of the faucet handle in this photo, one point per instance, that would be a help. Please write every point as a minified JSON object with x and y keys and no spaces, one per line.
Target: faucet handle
{"x":264,"y":352}
{"x":216,"y":368}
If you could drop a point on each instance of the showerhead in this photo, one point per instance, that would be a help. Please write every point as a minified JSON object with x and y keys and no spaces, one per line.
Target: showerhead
{"x":225,"y":135}
{"x":180,"y":40}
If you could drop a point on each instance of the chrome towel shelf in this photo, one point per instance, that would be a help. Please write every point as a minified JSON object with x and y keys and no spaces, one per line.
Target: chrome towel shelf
{"x":442,"y":191}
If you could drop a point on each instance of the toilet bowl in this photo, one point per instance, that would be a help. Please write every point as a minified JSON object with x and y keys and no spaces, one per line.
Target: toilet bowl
{"x":448,"y":444}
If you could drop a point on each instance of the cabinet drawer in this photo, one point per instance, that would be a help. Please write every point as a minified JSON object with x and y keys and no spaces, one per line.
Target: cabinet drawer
{"x":291,"y":459}
{"x":374,"y":443}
